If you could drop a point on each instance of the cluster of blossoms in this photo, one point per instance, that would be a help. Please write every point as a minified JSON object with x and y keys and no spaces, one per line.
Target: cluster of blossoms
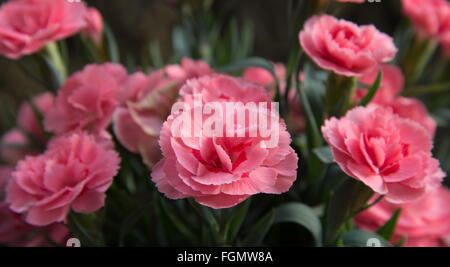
{"x":386,"y":145}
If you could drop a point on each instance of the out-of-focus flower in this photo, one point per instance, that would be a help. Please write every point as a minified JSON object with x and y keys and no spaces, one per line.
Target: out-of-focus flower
{"x":428,"y":16}
{"x":87,"y":99}
{"x":344,"y":47}
{"x":94,"y":25}
{"x":16,"y":232}
{"x":221,"y":171}
{"x":263,"y":77}
{"x":73,"y":173}
{"x":14,"y":146}
{"x":392,"y":83}
{"x":17,"y":143}
{"x":147,"y":101}
{"x":188,"y":69}
{"x":26,"y":26}
{"x":387,"y":95}
{"x":424,"y":222}
{"x":29,"y":121}
{"x":415,"y":110}
{"x":390,"y":154}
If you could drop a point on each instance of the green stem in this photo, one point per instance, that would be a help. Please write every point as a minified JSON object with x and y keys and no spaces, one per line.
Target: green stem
{"x":55,"y":59}
{"x":417,"y":59}
{"x":339,"y":95}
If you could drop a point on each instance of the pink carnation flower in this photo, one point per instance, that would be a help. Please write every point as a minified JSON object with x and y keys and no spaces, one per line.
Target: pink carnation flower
{"x":390,"y":154}
{"x":14,"y":231}
{"x":147,"y":101}
{"x":14,"y":146}
{"x":188,"y":69}
{"x":263,"y":77}
{"x":429,"y":17}
{"x":411,"y":108}
{"x":392,"y":83}
{"x":16,"y":143}
{"x":387,"y":95}
{"x":94,"y":25}
{"x":221,"y":172}
{"x":28,"y":25}
{"x":73,"y":173}
{"x":28,"y":119}
{"x":424,"y":222}
{"x":87,"y":100}
{"x":344,"y":47}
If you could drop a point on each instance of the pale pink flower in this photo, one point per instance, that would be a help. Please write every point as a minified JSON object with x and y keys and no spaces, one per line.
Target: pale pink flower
{"x":94,"y":25}
{"x":87,"y":99}
{"x":414,"y":109}
{"x":392,"y":83}
{"x":15,"y":145}
{"x":188,"y":69}
{"x":263,"y":77}
{"x":26,"y":26}
{"x":146,"y":102}
{"x":14,"y":231}
{"x":388,"y":95}
{"x":390,"y":154}
{"x":29,"y":121}
{"x":428,"y":16}
{"x":18,"y":142}
{"x":73,"y":173}
{"x":424,"y":222}
{"x":221,"y":172}
{"x":344,"y":47}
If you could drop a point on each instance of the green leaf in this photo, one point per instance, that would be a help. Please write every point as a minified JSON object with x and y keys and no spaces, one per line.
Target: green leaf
{"x":111,"y":45}
{"x":236,"y":221}
{"x":302,"y":215}
{"x":324,"y":154}
{"x":360,"y":238}
{"x":427,"y":89}
{"x":259,"y":230}
{"x":156,"y":55}
{"x":372,"y":91}
{"x":173,"y":218}
{"x":131,"y":221}
{"x":387,"y":230}
{"x":348,"y":198}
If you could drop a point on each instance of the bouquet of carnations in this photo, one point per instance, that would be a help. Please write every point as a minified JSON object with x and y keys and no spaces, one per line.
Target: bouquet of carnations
{"x":343,"y":144}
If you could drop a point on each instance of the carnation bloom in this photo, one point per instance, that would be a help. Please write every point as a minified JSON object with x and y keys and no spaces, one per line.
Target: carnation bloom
{"x":188,"y":69}
{"x":28,"y":25}
{"x":390,"y":154}
{"x":73,"y":173}
{"x":263,"y":77}
{"x":27,"y":118}
{"x":94,"y":25}
{"x":15,"y":231}
{"x":344,"y":47}
{"x":424,"y":222}
{"x":87,"y":100}
{"x":14,"y":146}
{"x":387,"y":95}
{"x":146,"y":102}
{"x":16,"y":143}
{"x":221,"y":171}
{"x":428,"y":16}
{"x":392,"y":83}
